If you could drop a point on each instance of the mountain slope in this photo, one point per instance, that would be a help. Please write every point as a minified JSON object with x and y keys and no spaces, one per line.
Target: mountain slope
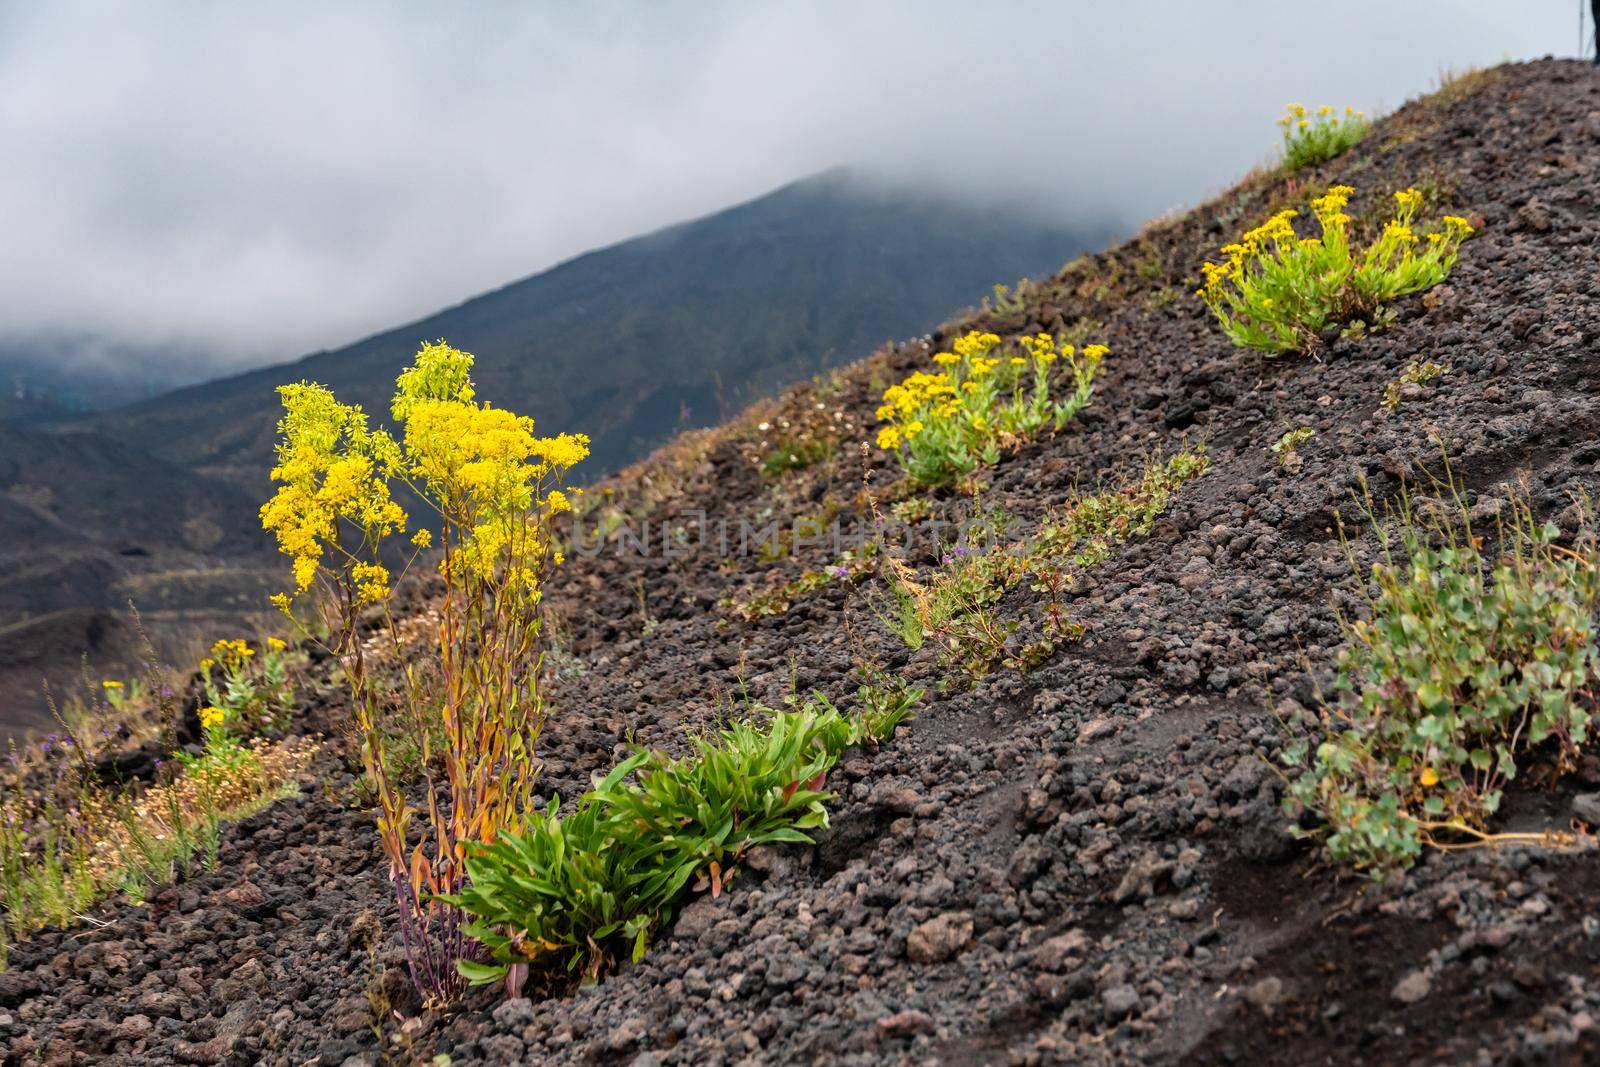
{"x":1084,"y":863}
{"x":682,"y":327}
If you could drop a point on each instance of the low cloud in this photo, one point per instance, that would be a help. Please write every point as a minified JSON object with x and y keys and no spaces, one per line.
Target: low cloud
{"x":261,"y":180}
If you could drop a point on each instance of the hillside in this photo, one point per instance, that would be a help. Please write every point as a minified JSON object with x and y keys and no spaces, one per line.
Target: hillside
{"x":676,"y":329}
{"x":1082,"y":862}
{"x":679,"y":328}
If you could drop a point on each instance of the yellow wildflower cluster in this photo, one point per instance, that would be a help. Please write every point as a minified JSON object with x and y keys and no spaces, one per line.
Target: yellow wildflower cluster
{"x":944,"y":423}
{"x":1277,"y":292}
{"x":482,"y":469}
{"x":1316,"y":137}
{"x":371,"y":582}
{"x":482,"y":466}
{"x":211,"y":717}
{"x":232,"y":654}
{"x":332,"y":470}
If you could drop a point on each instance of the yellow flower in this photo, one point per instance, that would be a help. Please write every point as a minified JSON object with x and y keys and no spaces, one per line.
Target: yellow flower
{"x":371,"y":582}
{"x":423,"y":538}
{"x":1430,"y":777}
{"x":946,"y":358}
{"x":211,"y":717}
{"x":110,"y":684}
{"x":276,"y":644}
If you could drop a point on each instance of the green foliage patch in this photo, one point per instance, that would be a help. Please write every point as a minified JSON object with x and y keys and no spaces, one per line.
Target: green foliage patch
{"x":1465,"y":663}
{"x":581,"y":888}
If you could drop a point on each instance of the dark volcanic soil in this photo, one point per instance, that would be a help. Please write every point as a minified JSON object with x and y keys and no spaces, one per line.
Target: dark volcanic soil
{"x":1088,"y":859}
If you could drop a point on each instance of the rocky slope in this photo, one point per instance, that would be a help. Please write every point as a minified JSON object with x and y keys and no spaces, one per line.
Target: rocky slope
{"x":1084,"y":863}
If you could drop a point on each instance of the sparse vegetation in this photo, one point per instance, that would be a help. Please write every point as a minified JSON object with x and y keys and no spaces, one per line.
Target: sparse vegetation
{"x":943,"y":424}
{"x":959,"y":604}
{"x":805,"y":435}
{"x":1277,"y":292}
{"x":1316,"y":137}
{"x":1092,"y":524}
{"x":69,"y":838}
{"x":851,"y":566}
{"x":1467,"y":665}
{"x":1006,"y":299}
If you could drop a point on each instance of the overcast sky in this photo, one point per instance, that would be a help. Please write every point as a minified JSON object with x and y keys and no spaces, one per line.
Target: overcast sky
{"x":264,"y":179}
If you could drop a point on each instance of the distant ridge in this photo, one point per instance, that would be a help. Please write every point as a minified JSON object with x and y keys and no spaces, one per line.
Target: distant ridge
{"x":682,"y":326}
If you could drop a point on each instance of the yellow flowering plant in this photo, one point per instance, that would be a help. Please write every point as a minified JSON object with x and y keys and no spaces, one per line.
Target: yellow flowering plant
{"x":492,"y":488}
{"x":246,"y":692}
{"x":1315,"y":137}
{"x":1277,"y":291}
{"x":985,"y":395}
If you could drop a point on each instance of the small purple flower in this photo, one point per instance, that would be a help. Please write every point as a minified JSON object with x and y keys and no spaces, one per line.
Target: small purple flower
{"x":841,"y":571}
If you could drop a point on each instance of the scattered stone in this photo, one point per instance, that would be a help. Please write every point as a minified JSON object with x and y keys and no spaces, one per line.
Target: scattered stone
{"x":1054,"y":954}
{"x":940,"y":938}
{"x":1120,"y":1001}
{"x":905,"y":1023}
{"x":1413,"y":987}
{"x":1266,"y":994}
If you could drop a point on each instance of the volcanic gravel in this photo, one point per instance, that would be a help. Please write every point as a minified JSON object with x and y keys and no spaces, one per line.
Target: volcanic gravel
{"x":1084,"y":863}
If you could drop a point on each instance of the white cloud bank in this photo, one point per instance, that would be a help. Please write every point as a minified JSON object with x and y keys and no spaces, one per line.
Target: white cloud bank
{"x":260,"y":180}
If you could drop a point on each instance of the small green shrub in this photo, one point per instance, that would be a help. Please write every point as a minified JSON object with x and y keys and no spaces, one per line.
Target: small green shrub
{"x":795,"y":455}
{"x":1464,"y":665}
{"x":1416,"y":373}
{"x":576,"y":890}
{"x":943,"y":424}
{"x":1277,"y":291}
{"x":1310,"y":138}
{"x":1287,"y":447}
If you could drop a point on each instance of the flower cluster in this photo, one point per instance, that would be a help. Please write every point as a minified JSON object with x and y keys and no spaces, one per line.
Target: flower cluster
{"x":1310,"y":138}
{"x":1277,"y":292}
{"x":333,"y":473}
{"x":482,"y":466}
{"x":944,"y":423}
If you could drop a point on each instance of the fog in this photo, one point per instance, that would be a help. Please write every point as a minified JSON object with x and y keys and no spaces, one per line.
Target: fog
{"x":259,"y":180}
